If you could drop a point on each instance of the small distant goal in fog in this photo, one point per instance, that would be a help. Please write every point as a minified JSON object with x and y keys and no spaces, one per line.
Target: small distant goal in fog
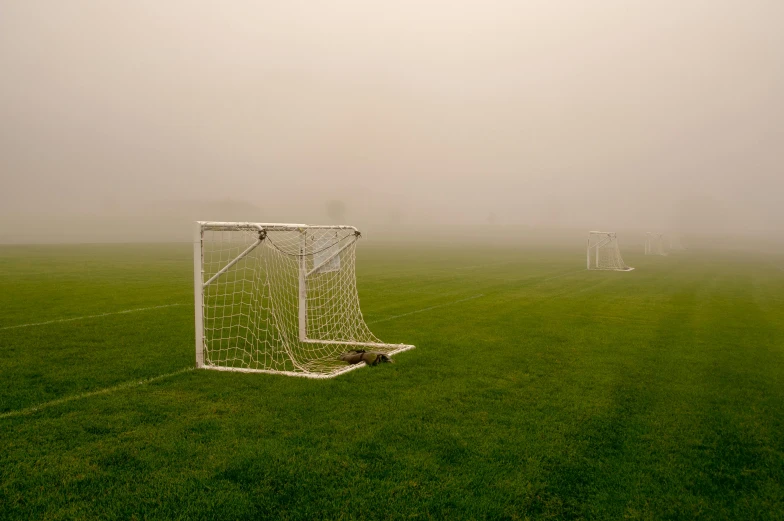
{"x":603,"y":252}
{"x":654,"y":244}
{"x":676,"y":242}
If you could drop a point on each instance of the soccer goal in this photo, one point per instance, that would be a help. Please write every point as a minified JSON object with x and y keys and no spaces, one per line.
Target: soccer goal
{"x":603,"y":252}
{"x":654,"y":244}
{"x":675,"y":242}
{"x":278,"y":298}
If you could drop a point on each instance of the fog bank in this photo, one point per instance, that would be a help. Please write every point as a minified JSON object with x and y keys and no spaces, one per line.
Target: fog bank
{"x":125,"y":121}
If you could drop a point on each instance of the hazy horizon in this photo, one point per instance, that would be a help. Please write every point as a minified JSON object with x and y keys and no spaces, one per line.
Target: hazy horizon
{"x":569,"y":114}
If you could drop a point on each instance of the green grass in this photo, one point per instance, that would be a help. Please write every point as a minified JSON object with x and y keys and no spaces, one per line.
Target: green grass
{"x":537,"y":390}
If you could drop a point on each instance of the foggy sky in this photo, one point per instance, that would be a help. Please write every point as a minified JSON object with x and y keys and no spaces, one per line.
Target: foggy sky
{"x":604,"y":113}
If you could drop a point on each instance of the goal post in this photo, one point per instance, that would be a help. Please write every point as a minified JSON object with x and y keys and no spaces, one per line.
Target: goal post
{"x":604,"y":253}
{"x":654,"y":244}
{"x":278,"y":298}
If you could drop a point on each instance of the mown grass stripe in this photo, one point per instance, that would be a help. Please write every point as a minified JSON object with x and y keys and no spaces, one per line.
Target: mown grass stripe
{"x":426,"y":309}
{"x":563,"y":275}
{"x":487,"y":265}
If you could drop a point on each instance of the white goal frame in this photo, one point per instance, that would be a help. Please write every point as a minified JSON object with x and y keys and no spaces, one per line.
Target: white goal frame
{"x":603,"y":252}
{"x":309,"y":265}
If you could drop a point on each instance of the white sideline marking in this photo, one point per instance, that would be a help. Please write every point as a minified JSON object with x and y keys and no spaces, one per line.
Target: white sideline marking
{"x":106,"y":390}
{"x":426,"y":309}
{"x":89,"y":316}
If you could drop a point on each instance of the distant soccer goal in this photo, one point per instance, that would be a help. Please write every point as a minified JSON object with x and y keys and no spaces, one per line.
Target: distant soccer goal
{"x":603,"y":252}
{"x":278,"y":298}
{"x":676,"y":242}
{"x":654,"y":244}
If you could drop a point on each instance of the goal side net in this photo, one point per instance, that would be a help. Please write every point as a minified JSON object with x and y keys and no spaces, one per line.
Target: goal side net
{"x":603,"y":252}
{"x":279,"y":298}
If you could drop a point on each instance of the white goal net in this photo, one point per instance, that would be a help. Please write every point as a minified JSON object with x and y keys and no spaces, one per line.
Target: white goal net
{"x":603,"y":252}
{"x":278,"y":298}
{"x":654,"y":244}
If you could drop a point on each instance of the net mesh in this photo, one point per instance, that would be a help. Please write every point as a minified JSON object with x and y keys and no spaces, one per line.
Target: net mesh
{"x":282,"y":300}
{"x":603,"y":252}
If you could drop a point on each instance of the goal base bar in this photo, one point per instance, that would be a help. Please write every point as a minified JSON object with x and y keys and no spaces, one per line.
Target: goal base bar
{"x":396,"y":348}
{"x":399,"y":348}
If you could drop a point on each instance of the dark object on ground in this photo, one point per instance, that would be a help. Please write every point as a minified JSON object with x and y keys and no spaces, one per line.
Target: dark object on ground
{"x":369,"y":357}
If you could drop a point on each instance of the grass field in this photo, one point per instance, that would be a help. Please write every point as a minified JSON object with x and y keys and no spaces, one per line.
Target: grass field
{"x":537,"y":390}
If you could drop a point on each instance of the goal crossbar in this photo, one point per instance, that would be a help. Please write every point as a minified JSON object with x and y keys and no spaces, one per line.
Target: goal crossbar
{"x":272,"y":227}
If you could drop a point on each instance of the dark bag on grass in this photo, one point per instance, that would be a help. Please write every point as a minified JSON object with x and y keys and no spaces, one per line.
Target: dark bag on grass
{"x":369,"y":357}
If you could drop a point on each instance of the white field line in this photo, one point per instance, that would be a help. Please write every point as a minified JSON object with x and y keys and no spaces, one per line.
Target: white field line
{"x":106,"y":390}
{"x":426,"y":309}
{"x":90,"y":316}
